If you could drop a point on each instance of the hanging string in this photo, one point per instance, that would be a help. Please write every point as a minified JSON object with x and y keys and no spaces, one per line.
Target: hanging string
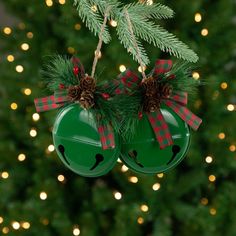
{"x":135,"y":44}
{"x":99,"y":46}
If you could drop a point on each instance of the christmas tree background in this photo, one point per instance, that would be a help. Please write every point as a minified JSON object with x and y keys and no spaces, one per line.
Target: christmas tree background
{"x":39,"y":196}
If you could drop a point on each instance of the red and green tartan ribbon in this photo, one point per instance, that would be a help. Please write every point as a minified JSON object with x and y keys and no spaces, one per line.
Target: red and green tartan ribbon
{"x":177,"y":102}
{"x":60,"y":98}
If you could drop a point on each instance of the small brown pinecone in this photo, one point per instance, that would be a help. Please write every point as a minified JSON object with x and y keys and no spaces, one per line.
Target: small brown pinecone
{"x":165,"y":90}
{"x":86,"y":100}
{"x":74,"y":93}
{"x":87,"y":84}
{"x":151,"y":104}
{"x":150,"y":86}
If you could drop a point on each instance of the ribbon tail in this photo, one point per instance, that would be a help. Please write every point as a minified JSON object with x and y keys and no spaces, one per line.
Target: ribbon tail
{"x":106,"y":136}
{"x":46,"y":104}
{"x":160,"y":129}
{"x":185,"y":114}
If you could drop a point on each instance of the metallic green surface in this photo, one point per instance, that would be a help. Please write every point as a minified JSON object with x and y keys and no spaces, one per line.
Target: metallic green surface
{"x":78,"y":145}
{"x":143,"y":154}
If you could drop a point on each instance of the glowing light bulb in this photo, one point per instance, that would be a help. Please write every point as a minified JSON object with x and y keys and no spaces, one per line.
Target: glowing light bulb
{"x":117,"y":195}
{"x":204,"y":32}
{"x":51,"y":148}
{"x":62,"y":2}
{"x":49,"y":3}
{"x":230,"y":107}
{"x":5,"y":175}
{"x":1,"y":220}
{"x":221,"y":135}
{"x":204,"y":201}
{"x":212,"y":178}
{"x":77,"y":26}
{"x":122,"y":68}
{"x":15,"y":225}
{"x":213,"y":211}
{"x":161,"y":175}
{"x":35,"y":116}
{"x":156,"y":186}
{"x":113,"y":23}
{"x":76,"y":231}
{"x":25,"y":46}
{"x":7,"y":30}
{"x":133,"y":179}
{"x":209,"y":159}
{"x":14,"y":106}
{"x":21,"y":157}
{"x":140,"y":69}
{"x":5,"y":230}
{"x":27,"y":91}
{"x":61,"y":178}
{"x":140,"y":220}
{"x":196,"y":75}
{"x":33,"y":133}
{"x":43,"y":196}
{"x":19,"y":68}
{"x":25,"y":225}
{"x":198,"y":17}
{"x":124,"y":168}
{"x":10,"y":58}
{"x":144,"y":208}
{"x":224,"y":85}
{"x":30,"y":35}
{"x":232,"y":148}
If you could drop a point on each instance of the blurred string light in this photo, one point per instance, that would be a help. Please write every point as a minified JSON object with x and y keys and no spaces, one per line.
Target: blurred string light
{"x":76,"y":231}
{"x":117,"y":195}
{"x":7,"y":30}
{"x":124,"y":168}
{"x":140,"y":69}
{"x":15,"y":225}
{"x":49,"y":3}
{"x":209,"y":159}
{"x":77,"y":26}
{"x":21,"y":157}
{"x":122,"y":68}
{"x":224,"y":85}
{"x":204,"y":32}
{"x":43,"y":196}
{"x":140,"y":220}
{"x":62,"y":2}
{"x":144,"y":208}
{"x":160,"y":175}
{"x":10,"y":58}
{"x":196,"y":75}
{"x":19,"y":68}
{"x":51,"y":148}
{"x":25,"y":46}
{"x":61,"y":178}
{"x":1,"y":220}
{"x":113,"y":23}
{"x":29,"y":35}
{"x":212,"y":211}
{"x":71,"y":50}
{"x":25,"y":225}
{"x":27,"y":91}
{"x":35,"y":117}
{"x":5,"y":175}
{"x":230,"y":107}
{"x":133,"y":179}
{"x":119,"y":160}
{"x":221,"y":135}
{"x":198,"y":17}
{"x":33,"y":132}
{"x":204,"y":201}
{"x":5,"y":230}
{"x":21,"y":26}
{"x":14,"y":106}
{"x":212,"y":178}
{"x":156,"y":186}
{"x":232,"y":148}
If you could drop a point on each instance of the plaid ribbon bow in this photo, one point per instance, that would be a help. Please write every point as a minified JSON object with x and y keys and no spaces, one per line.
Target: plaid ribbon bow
{"x":129,"y":81}
{"x":60,"y":99}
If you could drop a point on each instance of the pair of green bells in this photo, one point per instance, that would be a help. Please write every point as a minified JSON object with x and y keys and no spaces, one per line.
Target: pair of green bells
{"x":78,"y":144}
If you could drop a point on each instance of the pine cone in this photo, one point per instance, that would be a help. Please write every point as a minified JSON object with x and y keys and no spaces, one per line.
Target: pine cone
{"x":151,"y":104}
{"x":74,"y":93}
{"x":165,"y":90}
{"x":150,"y":86}
{"x":86,"y":100}
{"x":87,"y":84}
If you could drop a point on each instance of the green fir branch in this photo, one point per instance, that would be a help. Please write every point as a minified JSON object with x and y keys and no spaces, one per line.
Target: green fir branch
{"x":59,"y":71}
{"x":154,"y":11}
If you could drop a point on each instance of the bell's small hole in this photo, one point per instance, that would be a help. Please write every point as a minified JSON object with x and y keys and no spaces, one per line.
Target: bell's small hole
{"x":99,"y":157}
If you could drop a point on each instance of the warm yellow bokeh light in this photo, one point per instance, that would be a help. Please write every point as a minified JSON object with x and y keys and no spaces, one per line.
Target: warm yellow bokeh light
{"x":141,"y":69}
{"x":14,"y":106}
{"x":156,"y":186}
{"x":71,"y":50}
{"x":230,"y":107}
{"x":76,"y":231}
{"x":19,"y":68}
{"x":124,"y":168}
{"x":15,"y":225}
{"x":144,"y":208}
{"x":140,"y":220}
{"x":224,"y":85}
{"x":212,"y":178}
{"x":232,"y":148}
{"x":198,"y":17}
{"x":61,"y":178}
{"x":209,"y":159}
{"x":221,"y":135}
{"x":196,"y":75}
{"x":10,"y":58}
{"x":77,"y":26}
{"x":5,"y":175}
{"x":122,"y":68}
{"x":117,"y":195}
{"x":204,"y":32}
{"x":7,"y":30}
{"x":43,"y":195}
{"x":213,"y":211}
{"x":62,"y":2}
{"x":204,"y":201}
{"x":5,"y":230}
{"x":149,"y":2}
{"x":49,"y":3}
{"x":25,"y":225}
{"x":1,"y":220}
{"x":27,"y":91}
{"x":21,"y":157}
{"x":113,"y":23}
{"x":33,"y":132}
{"x":24,"y":46}
{"x":30,"y":35}
{"x":133,"y":179}
{"x":35,"y":117}
{"x":161,"y":175}
{"x":51,"y":148}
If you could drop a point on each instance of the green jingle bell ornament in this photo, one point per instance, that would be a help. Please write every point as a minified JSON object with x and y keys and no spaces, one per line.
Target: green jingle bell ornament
{"x":143,"y":154}
{"x":78,"y":144}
